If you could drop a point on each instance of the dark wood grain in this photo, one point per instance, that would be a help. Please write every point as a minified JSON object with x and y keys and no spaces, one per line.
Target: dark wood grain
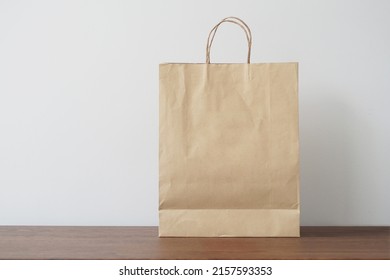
{"x":31,"y":242}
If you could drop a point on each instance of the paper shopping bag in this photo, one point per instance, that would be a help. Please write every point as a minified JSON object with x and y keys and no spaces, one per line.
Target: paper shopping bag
{"x":229,"y":148}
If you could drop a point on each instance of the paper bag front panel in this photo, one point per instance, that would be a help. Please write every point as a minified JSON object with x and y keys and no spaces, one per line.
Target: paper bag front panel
{"x":229,"y":150}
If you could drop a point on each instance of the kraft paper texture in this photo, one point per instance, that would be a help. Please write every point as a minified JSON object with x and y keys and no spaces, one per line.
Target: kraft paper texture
{"x":229,"y":150}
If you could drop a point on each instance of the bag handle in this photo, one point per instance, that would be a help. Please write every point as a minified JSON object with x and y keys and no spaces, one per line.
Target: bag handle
{"x":236,"y":21}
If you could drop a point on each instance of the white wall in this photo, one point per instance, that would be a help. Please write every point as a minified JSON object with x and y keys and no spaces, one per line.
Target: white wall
{"x":79,"y":102}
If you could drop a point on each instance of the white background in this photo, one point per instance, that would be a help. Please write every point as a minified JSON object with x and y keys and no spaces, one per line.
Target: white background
{"x":79,"y":102}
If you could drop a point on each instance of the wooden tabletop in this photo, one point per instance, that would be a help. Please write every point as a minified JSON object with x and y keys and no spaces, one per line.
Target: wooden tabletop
{"x":31,"y":242}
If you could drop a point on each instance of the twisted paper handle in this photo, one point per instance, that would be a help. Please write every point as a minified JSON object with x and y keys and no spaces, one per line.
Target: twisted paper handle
{"x":234,"y":20}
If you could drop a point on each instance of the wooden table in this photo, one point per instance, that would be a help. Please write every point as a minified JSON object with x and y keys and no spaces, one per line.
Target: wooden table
{"x":31,"y":242}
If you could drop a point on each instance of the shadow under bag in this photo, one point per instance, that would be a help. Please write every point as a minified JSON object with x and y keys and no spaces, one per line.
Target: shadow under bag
{"x":229,"y":148}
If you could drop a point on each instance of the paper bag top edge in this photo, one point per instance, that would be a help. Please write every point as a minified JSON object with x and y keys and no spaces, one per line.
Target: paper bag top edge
{"x":210,"y":64}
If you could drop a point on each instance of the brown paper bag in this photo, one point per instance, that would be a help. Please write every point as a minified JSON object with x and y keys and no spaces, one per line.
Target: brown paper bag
{"x":229,"y":148}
